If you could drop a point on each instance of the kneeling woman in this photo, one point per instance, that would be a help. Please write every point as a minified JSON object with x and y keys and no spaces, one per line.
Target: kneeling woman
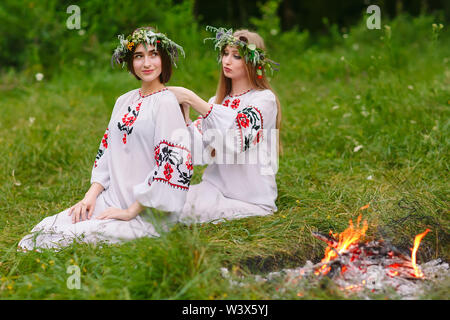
{"x":142,"y":160}
{"x":246,"y":112}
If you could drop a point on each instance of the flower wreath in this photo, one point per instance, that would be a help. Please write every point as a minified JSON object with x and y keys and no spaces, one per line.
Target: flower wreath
{"x":251,"y":53}
{"x":145,"y":36}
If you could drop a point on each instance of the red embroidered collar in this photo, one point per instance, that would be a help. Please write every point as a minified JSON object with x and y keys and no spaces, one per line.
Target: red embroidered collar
{"x":147,"y":95}
{"x":240,"y":94}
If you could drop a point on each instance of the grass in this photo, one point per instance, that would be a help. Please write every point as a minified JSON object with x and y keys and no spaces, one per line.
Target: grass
{"x":388,"y":95}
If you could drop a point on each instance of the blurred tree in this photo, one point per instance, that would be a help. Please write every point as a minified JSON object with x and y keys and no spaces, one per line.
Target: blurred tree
{"x":309,"y":14}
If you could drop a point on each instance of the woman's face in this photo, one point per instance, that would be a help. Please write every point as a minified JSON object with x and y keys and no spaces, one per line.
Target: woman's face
{"x":233,"y":64}
{"x":147,"y":63}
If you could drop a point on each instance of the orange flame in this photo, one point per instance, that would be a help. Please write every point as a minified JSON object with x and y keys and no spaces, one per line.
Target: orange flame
{"x":348,"y":237}
{"x":417,"y":272}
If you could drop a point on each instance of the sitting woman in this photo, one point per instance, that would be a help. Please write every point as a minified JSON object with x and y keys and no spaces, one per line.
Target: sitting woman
{"x":240,"y":123}
{"x":143,"y":159}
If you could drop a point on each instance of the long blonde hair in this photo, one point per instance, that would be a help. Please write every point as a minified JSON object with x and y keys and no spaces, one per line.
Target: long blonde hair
{"x":224,"y":86}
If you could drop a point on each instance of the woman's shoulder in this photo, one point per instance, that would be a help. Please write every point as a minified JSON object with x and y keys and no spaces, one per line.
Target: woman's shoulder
{"x":265,"y":94}
{"x":128,"y":94}
{"x":167,"y":97}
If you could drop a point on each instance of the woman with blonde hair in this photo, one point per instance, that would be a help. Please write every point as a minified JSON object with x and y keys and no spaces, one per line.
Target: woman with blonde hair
{"x":236,"y":134}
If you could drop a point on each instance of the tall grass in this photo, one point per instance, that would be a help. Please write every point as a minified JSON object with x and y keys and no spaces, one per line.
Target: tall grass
{"x":365,"y":120}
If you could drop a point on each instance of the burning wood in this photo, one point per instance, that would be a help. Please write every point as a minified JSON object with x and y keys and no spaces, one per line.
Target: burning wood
{"x":347,"y":253}
{"x":363,"y":267}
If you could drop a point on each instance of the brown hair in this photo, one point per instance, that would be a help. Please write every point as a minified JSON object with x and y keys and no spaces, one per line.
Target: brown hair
{"x":224,"y":86}
{"x":166,"y":63}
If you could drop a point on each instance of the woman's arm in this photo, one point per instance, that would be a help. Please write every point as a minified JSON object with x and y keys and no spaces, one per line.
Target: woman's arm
{"x":95,"y":189}
{"x":186,"y":96}
{"x":122,"y":214}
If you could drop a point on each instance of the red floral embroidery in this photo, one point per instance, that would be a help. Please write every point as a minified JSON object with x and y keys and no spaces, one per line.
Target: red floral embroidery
{"x":226,"y":102}
{"x":243,"y":120}
{"x":189,"y":162}
{"x":167,"y":172}
{"x":105,"y":140}
{"x":258,"y":137}
{"x":235,"y":103}
{"x":128,"y":121}
{"x":157,"y":154}
{"x":198,"y":125}
{"x":207,"y":114}
{"x":102,"y":148}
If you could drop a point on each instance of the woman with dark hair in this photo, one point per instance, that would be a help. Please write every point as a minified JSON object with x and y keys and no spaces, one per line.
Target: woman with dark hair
{"x":143,"y":159}
{"x":240,"y":122}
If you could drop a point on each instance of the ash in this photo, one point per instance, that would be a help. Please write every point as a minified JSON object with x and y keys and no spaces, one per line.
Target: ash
{"x":362,"y":279}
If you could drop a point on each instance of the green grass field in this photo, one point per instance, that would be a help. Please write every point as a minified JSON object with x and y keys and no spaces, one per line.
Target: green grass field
{"x":365,"y":121}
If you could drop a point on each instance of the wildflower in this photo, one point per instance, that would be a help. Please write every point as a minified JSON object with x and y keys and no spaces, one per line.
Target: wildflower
{"x":370,"y":177}
{"x":410,"y":87}
{"x":355,"y":47}
{"x":130,"y":46}
{"x":82,"y":32}
{"x":342,"y":58}
{"x":51,"y":262}
{"x":335,"y":107}
{"x":39,"y":76}
{"x":358,"y":97}
{"x":31,"y":120}
{"x":357,"y":148}
{"x":274,"y":32}
{"x":345,"y":36}
{"x":346,"y":115}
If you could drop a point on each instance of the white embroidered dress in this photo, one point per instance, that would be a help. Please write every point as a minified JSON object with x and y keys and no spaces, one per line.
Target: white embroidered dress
{"x":232,"y":185}
{"x":143,"y":156}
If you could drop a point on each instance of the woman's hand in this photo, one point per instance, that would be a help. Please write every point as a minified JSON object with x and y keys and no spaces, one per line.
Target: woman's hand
{"x":122,"y":214}
{"x":182,"y":94}
{"x":116,"y":213}
{"x":83,"y":210}
{"x":188,"y":97}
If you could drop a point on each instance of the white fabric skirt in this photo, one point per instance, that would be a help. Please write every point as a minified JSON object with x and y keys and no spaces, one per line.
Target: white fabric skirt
{"x":206,"y":203}
{"x":58,"y":230}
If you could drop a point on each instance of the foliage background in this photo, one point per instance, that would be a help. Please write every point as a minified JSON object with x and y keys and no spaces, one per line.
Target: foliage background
{"x":384,"y":93}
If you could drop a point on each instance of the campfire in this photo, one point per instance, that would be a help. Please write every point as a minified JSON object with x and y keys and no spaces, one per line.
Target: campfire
{"x":362,"y":267}
{"x":346,"y":253}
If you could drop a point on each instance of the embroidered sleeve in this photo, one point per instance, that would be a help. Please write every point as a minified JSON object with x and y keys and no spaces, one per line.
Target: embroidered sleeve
{"x":246,"y":125}
{"x":100,"y":169}
{"x":166,"y":186}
